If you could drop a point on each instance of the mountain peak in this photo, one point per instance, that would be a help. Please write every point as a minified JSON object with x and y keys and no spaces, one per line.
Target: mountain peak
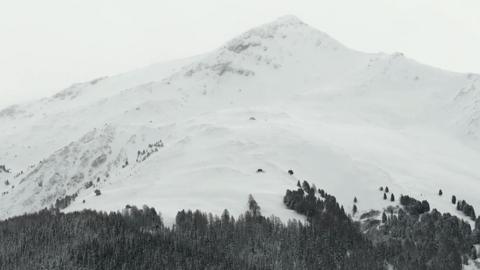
{"x":284,"y":40}
{"x":288,"y":20}
{"x":287,"y":30}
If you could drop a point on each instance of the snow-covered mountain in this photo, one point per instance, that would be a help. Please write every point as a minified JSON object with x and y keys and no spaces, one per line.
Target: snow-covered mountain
{"x":192,"y":133}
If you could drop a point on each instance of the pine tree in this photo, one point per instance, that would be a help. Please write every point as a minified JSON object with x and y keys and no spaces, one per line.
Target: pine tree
{"x":454,"y":199}
{"x":381,"y":188}
{"x":387,"y":190}
{"x":440,"y":192}
{"x":225,"y":216}
{"x":384,"y":196}
{"x":384,"y":217}
{"x":392,"y":197}
{"x":355,"y":209}
{"x":253,"y":206}
{"x":355,"y":200}
{"x":306,"y":186}
{"x":473,"y":253}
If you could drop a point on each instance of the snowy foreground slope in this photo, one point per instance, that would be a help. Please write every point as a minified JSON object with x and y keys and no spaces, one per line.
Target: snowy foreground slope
{"x":192,"y":133}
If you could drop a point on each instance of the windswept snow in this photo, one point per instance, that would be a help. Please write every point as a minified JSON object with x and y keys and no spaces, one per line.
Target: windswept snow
{"x":278,"y":97}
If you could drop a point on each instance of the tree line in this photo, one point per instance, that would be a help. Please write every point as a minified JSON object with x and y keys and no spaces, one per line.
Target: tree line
{"x":136,"y":238}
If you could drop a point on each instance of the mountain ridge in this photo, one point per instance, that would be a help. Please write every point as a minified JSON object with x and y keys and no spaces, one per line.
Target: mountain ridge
{"x":337,"y":117}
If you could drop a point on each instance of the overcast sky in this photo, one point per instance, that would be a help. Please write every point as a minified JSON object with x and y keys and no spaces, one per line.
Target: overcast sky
{"x":47,"y":45}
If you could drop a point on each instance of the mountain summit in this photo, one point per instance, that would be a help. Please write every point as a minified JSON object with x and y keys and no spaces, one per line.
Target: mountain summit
{"x":283,"y":96}
{"x":283,"y":31}
{"x":272,"y":45}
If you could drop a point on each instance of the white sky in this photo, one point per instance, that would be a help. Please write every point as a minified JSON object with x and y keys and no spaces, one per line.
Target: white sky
{"x":47,"y":45}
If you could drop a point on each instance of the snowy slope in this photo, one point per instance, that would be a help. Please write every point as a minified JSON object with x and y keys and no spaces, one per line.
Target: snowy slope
{"x":278,"y":97}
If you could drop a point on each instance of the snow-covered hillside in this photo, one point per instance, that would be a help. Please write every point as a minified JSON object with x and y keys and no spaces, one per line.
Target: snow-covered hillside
{"x":192,"y":133}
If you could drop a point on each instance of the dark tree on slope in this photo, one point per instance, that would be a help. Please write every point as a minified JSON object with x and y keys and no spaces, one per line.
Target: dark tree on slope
{"x":467,"y":209}
{"x":473,"y":253}
{"x":253,"y":206}
{"x":64,"y":202}
{"x":413,"y":206}
{"x":454,"y":199}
